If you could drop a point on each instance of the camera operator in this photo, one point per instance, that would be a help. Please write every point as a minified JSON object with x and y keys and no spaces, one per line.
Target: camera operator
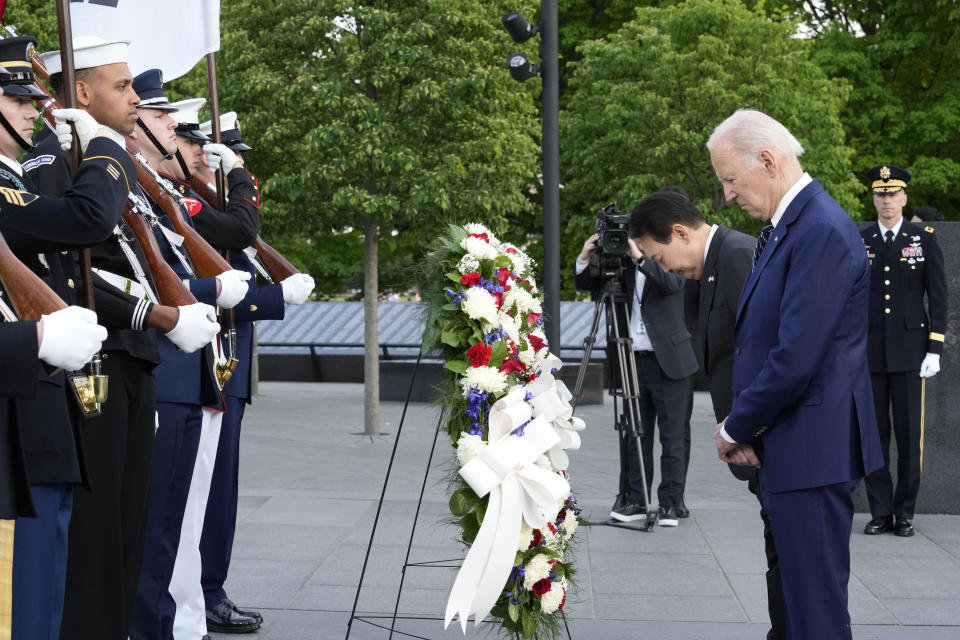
{"x":666,"y":363}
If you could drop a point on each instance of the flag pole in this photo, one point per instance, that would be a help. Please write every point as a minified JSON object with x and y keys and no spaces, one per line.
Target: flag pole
{"x":215,"y":121}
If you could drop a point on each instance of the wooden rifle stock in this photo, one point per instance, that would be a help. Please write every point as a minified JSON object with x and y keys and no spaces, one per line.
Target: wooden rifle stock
{"x":277,"y":267}
{"x":29,"y":295}
{"x":170,"y":289}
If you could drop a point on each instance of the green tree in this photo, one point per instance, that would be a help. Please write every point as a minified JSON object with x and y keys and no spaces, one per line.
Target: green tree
{"x":643,"y":101}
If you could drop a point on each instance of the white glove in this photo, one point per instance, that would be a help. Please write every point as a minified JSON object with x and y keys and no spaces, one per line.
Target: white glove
{"x":219,"y":156}
{"x":196,"y":327}
{"x":233,"y":287}
{"x":86,"y":126}
{"x":70,"y":338}
{"x":297,"y":288}
{"x":930,"y":365}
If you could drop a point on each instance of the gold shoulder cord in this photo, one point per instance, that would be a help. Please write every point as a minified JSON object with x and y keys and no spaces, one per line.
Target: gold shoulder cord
{"x":6,"y":577}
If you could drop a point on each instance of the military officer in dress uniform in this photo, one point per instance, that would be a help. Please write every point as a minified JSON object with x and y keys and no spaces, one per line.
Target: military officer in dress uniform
{"x":904,"y":342}
{"x":184,"y":384}
{"x":262,"y":303}
{"x":108,"y":527}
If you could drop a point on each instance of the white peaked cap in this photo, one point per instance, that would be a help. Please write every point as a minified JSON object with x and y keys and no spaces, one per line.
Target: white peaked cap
{"x":228,"y":121}
{"x":88,"y":51}
{"x":188,"y":111}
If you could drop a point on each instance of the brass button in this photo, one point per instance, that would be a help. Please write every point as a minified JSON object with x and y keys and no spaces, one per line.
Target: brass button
{"x":70,"y":283}
{"x":886,"y":268}
{"x":886,"y":297}
{"x":63,"y":253}
{"x":253,"y":307}
{"x":886,"y":282}
{"x":887,"y":310}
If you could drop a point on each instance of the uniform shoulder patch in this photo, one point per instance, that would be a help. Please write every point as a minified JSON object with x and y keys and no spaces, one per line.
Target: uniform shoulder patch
{"x":15,"y":197}
{"x":928,"y":229}
{"x":193,"y":205}
{"x":39,"y":161}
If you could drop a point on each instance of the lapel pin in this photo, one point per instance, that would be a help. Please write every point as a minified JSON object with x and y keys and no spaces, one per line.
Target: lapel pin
{"x":711,"y":279}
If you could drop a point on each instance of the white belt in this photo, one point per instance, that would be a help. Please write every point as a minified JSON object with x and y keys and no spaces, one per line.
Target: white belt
{"x":126,"y":285}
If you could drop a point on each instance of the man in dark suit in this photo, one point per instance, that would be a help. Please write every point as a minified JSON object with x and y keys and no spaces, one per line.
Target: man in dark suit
{"x":803,"y":408}
{"x":673,"y":232}
{"x":666,"y":363}
{"x":904,"y":343}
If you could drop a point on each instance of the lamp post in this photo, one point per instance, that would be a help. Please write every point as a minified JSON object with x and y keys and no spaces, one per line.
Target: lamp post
{"x":522,"y":69}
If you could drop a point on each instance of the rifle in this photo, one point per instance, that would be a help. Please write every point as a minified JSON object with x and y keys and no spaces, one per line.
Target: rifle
{"x":170,"y":289}
{"x":277,"y":267}
{"x":29,"y":295}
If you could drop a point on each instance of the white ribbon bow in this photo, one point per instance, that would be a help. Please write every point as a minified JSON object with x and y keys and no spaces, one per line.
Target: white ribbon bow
{"x":518,"y":489}
{"x":551,"y":400}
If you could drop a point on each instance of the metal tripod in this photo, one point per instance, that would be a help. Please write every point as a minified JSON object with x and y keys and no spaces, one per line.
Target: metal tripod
{"x":614,"y":300}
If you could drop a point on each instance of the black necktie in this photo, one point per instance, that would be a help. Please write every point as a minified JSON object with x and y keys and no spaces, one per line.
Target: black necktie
{"x":762,"y":241}
{"x":889,"y":239}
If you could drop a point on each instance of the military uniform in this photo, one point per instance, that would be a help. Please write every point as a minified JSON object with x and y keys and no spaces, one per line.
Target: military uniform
{"x":903,"y":330}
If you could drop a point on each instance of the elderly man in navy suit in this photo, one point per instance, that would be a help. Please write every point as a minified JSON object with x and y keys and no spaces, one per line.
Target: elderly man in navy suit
{"x":803,"y":408}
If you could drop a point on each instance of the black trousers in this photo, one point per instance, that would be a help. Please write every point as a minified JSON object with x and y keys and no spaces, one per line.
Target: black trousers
{"x":663,"y":406}
{"x":108,"y":527}
{"x":899,"y":394}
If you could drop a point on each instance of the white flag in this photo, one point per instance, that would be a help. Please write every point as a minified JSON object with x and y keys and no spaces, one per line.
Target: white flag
{"x":172,"y":35}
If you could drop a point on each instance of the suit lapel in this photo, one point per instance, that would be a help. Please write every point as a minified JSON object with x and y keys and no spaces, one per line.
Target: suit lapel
{"x":708,"y":284}
{"x":776,"y":239}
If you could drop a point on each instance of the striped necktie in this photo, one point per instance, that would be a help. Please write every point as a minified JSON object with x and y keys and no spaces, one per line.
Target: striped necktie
{"x":762,"y":241}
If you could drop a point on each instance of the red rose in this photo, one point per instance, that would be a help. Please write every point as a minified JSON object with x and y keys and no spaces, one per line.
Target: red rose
{"x":503,"y":275}
{"x":562,"y":515}
{"x":470,"y":279}
{"x":512,"y":366}
{"x":511,"y":250}
{"x":482,"y":236}
{"x":532,"y":319}
{"x":540,"y":587}
{"x":537,"y":538}
{"x":536,"y":342}
{"x":479,"y":355}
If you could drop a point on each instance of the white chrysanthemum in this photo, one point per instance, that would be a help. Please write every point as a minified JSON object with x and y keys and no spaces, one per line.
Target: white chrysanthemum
{"x":476,"y":227}
{"x":570,"y":524}
{"x":509,"y":324}
{"x":526,"y":536}
{"x":479,"y":248}
{"x":527,"y":357}
{"x":479,"y":304}
{"x":550,"y":601}
{"x":524,"y":302}
{"x":484,"y":378}
{"x":536,"y":570}
{"x":468,"y":264}
{"x":469,"y":447}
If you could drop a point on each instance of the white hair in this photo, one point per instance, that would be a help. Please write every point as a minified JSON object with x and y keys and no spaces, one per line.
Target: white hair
{"x":751,"y":131}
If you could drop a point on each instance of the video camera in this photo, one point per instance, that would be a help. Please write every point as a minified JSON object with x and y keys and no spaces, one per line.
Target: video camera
{"x":612,"y":242}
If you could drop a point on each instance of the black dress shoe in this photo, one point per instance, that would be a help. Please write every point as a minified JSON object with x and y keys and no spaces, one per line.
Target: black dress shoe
{"x":223,"y":619}
{"x":682,"y":510}
{"x":250,"y":613}
{"x":903,"y":529}
{"x":879,"y":525}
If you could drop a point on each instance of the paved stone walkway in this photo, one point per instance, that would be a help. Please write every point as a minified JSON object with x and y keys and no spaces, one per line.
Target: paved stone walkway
{"x":309,"y":485}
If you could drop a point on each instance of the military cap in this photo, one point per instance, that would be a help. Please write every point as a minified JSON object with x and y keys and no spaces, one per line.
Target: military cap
{"x":888,"y":178}
{"x":16,"y":70}
{"x":88,"y":51}
{"x":188,"y":119}
{"x":928,"y":214}
{"x":229,"y":131}
{"x":149,"y":87}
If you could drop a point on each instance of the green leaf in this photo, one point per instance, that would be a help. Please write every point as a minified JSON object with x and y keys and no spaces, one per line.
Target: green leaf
{"x":481,"y":508}
{"x":450,"y":306}
{"x":451,"y":338}
{"x":498,"y":354}
{"x":513,"y":611}
{"x":470,"y":528}
{"x":529,"y":623}
{"x":503,"y":262}
{"x":462,"y":502}
{"x":457,"y":366}
{"x":453,"y":275}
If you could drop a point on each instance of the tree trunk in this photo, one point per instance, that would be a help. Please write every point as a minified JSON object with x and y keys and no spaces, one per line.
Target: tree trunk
{"x":371,"y":340}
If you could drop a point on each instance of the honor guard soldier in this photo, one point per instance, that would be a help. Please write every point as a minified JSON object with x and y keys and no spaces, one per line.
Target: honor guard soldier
{"x":262,"y":303}
{"x":904,"y":343}
{"x":185,"y":383}
{"x":108,"y":528}
{"x":42,"y":231}
{"x":235,"y":227}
